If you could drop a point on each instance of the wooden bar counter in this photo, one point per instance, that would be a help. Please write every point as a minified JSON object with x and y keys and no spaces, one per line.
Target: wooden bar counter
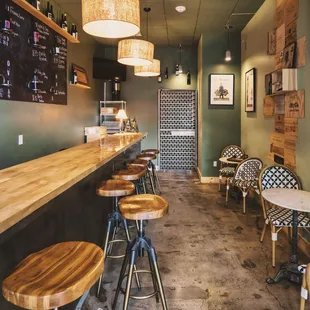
{"x":26,"y":187}
{"x":53,"y":199}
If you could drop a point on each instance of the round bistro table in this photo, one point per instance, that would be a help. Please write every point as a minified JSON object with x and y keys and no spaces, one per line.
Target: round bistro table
{"x":298,"y":201}
{"x":231,"y":162}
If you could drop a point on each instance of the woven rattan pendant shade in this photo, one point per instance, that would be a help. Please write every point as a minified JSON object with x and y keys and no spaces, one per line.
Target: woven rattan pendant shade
{"x":134,"y":52}
{"x":111,"y":18}
{"x":150,"y":70}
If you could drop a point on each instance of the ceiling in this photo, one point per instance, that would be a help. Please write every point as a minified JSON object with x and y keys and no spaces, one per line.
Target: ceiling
{"x":168,"y":27}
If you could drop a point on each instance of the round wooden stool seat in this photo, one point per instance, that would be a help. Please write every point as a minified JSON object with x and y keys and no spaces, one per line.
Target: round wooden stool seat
{"x":143,"y":207}
{"x":133,"y":173}
{"x":138,"y":162}
{"x":54,"y":276}
{"x":147,"y":156}
{"x":116,"y":188}
{"x":150,"y":151}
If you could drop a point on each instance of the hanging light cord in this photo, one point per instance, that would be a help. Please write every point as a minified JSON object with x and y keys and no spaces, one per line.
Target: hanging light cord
{"x":228,"y":37}
{"x":147,"y":26}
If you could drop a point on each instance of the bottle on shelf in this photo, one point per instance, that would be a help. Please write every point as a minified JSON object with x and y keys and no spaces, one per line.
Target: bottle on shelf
{"x":6,"y":22}
{"x":74,"y":32}
{"x":48,"y":12}
{"x":64,"y":23}
{"x":38,"y":5}
{"x":189,"y":78}
{"x":166,"y":73}
{"x":52,"y":13}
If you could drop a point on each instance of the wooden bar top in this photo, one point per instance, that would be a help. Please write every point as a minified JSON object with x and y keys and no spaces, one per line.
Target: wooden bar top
{"x":26,"y":187}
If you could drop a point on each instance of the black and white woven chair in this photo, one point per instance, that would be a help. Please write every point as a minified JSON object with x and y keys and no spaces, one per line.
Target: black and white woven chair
{"x":246,"y":177}
{"x":278,"y":176}
{"x":227,"y":170}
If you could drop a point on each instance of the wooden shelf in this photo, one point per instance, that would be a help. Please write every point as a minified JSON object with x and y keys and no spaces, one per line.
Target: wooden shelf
{"x":280,"y":93}
{"x":40,"y":16}
{"x":80,"y":86}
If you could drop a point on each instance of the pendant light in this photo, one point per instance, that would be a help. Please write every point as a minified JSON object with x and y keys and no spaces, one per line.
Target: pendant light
{"x":135,"y":52}
{"x":228,"y":52}
{"x":154,"y":68}
{"x":111,"y":18}
{"x":179,"y":67}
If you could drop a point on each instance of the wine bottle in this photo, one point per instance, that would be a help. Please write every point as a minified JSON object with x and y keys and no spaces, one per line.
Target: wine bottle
{"x":74,"y":32}
{"x":166,"y":73}
{"x":64,"y":24}
{"x":189,"y":78}
{"x":61,"y":20}
{"x":52,"y":13}
{"x":38,"y":5}
{"x":6,"y":23}
{"x":48,"y":12}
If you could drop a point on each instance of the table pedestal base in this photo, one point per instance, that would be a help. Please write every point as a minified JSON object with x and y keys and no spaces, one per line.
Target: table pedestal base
{"x":288,"y":271}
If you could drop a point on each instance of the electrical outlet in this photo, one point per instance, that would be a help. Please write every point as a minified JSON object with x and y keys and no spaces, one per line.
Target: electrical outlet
{"x":20,"y":140}
{"x":215,"y":163}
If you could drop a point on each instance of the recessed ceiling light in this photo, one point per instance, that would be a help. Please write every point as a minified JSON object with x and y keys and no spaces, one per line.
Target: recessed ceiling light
{"x":180,"y":8}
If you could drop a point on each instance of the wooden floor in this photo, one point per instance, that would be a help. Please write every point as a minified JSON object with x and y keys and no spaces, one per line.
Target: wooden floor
{"x":209,"y":254}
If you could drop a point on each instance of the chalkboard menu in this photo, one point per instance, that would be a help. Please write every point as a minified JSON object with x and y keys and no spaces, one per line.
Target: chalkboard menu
{"x":33,"y":59}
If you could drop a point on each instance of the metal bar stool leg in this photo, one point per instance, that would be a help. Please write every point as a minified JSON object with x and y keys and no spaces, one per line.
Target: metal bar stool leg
{"x":151,"y":181}
{"x":153,"y":276}
{"x":129,"y":239}
{"x":144,"y":185}
{"x":159,"y":282}
{"x":156,"y":177}
{"x":105,"y":248}
{"x":121,"y":277}
{"x":129,"y":280}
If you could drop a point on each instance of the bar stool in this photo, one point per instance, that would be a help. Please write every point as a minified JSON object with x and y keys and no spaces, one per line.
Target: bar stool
{"x":116,"y":189}
{"x":151,"y":169}
{"x":141,"y":207}
{"x":154,"y":152}
{"x":55,"y":276}
{"x":135,"y":174}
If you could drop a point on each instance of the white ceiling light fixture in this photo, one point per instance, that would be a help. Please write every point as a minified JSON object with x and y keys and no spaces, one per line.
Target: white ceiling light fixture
{"x":180,"y":8}
{"x":111,"y":18}
{"x":148,"y":71}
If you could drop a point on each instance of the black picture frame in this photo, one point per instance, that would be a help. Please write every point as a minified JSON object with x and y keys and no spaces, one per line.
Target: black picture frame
{"x":215,"y":82}
{"x":250,"y":90}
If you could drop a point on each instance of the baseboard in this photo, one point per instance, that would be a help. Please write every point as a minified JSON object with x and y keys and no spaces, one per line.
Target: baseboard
{"x":207,"y":180}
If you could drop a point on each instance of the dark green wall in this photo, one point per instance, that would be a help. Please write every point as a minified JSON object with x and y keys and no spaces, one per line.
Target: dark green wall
{"x":141,"y":93}
{"x":48,"y":128}
{"x":218,"y":126}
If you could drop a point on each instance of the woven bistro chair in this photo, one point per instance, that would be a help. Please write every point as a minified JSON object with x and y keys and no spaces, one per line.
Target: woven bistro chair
{"x":304,"y":292}
{"x":246,"y":177}
{"x":278,"y":176}
{"x":227,"y":170}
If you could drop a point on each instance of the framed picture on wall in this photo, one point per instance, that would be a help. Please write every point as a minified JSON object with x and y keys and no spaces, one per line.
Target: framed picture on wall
{"x":221,"y":89}
{"x":250,"y":91}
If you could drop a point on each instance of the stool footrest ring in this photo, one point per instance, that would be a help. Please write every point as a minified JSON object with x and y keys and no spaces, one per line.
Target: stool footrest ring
{"x":143,"y":297}
{"x":116,"y":256}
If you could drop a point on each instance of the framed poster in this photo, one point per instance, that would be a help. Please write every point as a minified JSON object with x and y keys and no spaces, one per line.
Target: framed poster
{"x":222,"y":89}
{"x":288,"y":60}
{"x":250,"y":90}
